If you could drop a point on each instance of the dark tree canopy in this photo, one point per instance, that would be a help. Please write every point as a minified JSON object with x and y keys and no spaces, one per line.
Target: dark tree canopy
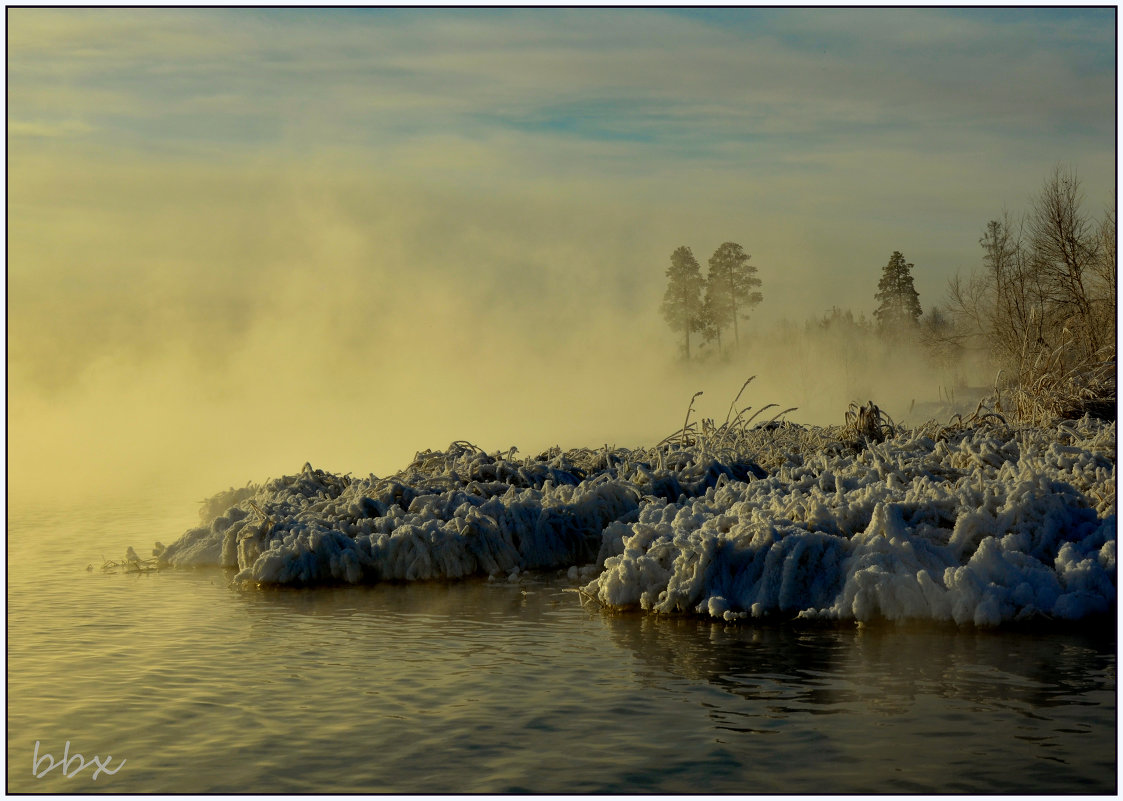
{"x":730,"y":290}
{"x":898,"y":304}
{"x":682,"y":302}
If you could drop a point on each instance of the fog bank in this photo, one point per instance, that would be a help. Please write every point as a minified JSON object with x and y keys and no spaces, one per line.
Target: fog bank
{"x":192,"y":329}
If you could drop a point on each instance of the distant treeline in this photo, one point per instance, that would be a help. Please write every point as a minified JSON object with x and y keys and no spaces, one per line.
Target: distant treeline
{"x":1040,"y":308}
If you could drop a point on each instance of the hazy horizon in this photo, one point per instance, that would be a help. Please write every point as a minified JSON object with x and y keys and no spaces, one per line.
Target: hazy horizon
{"x":239,"y":240}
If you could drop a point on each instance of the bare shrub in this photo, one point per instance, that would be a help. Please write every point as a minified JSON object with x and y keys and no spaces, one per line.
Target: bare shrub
{"x":868,"y":423}
{"x":1043,"y":306}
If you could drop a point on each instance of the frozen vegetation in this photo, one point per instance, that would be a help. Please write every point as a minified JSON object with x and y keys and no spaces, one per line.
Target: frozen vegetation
{"x":978,"y":522}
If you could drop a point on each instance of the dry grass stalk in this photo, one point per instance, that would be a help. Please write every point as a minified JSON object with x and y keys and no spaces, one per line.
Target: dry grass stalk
{"x":1059,"y":386}
{"x":689,"y":409}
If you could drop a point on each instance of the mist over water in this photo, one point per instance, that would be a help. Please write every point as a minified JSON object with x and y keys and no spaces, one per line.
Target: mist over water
{"x":204,"y":328}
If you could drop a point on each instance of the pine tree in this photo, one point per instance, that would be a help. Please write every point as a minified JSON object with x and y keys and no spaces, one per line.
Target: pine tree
{"x":730,"y":286}
{"x":898,"y":301}
{"x":682,"y":302}
{"x":715,"y":310}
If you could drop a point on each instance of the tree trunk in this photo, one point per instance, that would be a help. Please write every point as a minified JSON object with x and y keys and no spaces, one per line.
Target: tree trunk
{"x":733,"y":305}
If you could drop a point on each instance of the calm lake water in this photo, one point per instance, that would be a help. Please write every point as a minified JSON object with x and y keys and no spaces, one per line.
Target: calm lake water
{"x":498,"y":687}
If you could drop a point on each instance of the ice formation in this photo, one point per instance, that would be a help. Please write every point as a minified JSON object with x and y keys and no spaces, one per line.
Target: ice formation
{"x":978,"y":524}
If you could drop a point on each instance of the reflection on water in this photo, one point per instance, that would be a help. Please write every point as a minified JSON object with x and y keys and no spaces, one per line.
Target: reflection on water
{"x":894,"y":708}
{"x":495,"y":687}
{"x":897,"y":663}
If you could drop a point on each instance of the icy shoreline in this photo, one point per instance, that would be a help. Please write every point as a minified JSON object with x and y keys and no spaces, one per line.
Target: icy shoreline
{"x":984,"y":524}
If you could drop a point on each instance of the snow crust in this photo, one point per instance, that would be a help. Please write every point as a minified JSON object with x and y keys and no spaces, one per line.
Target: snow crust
{"x":981,"y":525}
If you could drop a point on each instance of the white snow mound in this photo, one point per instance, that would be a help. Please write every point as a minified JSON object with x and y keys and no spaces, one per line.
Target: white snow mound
{"x":984,"y":525}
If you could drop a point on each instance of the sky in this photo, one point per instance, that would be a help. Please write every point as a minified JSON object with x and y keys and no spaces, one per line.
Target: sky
{"x":243,"y":239}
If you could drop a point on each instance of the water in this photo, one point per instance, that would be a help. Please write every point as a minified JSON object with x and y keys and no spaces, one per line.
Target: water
{"x":498,"y":687}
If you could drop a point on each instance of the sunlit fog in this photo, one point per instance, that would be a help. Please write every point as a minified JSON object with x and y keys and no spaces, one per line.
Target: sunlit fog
{"x":239,"y":241}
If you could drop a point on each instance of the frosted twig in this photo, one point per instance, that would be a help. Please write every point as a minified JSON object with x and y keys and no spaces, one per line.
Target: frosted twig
{"x":689,"y":409}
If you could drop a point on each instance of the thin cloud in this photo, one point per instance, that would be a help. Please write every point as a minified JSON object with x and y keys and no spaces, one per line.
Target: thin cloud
{"x":40,"y":129}
{"x":641,"y":75}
